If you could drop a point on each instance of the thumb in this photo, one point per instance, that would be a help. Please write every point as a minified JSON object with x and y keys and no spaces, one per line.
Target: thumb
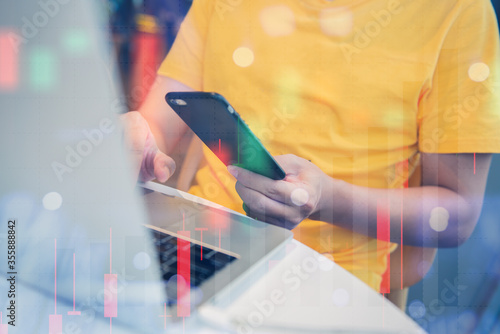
{"x":164,"y":166}
{"x":288,"y":162}
{"x":155,"y":163}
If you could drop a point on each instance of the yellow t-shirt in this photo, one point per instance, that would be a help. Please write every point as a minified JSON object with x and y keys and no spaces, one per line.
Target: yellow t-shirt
{"x":356,"y":86}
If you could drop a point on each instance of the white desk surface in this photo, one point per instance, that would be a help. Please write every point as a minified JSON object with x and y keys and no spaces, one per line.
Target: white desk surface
{"x":321,"y":298}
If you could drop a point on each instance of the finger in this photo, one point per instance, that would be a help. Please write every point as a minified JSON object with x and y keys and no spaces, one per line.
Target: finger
{"x":278,"y":190}
{"x":164,"y":166}
{"x":146,"y":172}
{"x":289,"y":162}
{"x":272,"y":220}
{"x":245,"y":208}
{"x":256,"y":201}
{"x":259,"y":204}
{"x":293,"y":165}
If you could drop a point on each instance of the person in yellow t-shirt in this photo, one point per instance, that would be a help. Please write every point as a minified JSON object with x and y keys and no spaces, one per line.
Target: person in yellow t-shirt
{"x":374,"y":108}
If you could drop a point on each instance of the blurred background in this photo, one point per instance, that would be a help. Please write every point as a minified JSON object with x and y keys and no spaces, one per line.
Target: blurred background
{"x":460,"y":293}
{"x":143,"y":31}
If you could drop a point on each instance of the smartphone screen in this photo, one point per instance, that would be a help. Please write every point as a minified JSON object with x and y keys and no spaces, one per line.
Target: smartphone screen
{"x":220,"y":127}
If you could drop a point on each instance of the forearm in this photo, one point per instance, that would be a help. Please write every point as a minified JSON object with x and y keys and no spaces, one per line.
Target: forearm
{"x":410,"y":210}
{"x":166,"y":126}
{"x":164,"y":143}
{"x":409,"y":265}
{"x":166,"y":136}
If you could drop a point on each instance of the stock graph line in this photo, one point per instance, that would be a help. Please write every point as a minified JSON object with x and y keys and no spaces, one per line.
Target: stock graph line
{"x":165,"y":315}
{"x":201,"y":229}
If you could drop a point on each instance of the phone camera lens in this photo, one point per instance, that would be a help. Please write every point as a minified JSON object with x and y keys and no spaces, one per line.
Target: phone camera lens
{"x":178,"y":102}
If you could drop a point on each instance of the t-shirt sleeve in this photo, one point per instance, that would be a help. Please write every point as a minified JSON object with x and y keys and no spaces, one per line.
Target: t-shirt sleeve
{"x":461,"y":112}
{"x":184,"y":62}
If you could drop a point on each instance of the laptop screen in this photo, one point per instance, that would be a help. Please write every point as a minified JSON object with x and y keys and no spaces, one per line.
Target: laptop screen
{"x":81,"y":257}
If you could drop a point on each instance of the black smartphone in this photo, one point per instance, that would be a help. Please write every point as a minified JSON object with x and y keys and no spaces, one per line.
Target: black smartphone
{"x":221,"y":128}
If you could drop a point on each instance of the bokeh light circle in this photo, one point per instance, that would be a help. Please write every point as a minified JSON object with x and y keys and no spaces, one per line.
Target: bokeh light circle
{"x":479,"y":72}
{"x":52,"y":201}
{"x":243,"y":57}
{"x":142,"y":261}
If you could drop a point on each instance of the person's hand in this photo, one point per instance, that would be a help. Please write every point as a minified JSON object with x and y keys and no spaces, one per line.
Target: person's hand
{"x":285,"y":202}
{"x":149,"y":161}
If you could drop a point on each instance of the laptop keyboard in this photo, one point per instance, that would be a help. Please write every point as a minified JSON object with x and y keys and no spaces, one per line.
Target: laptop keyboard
{"x":205,"y":262}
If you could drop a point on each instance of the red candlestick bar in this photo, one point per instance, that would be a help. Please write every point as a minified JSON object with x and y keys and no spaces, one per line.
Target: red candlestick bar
{"x":55,"y":320}
{"x":4,"y":329}
{"x":9,"y":63}
{"x":383,"y":238}
{"x":110,"y":287}
{"x":110,"y":296}
{"x":184,"y":270}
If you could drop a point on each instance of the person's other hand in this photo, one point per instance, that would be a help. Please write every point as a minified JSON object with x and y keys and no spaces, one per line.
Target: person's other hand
{"x":149,"y":162}
{"x":285,"y":202}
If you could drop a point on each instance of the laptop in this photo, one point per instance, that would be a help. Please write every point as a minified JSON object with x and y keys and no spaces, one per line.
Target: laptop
{"x":91,"y":251}
{"x":222,"y":246}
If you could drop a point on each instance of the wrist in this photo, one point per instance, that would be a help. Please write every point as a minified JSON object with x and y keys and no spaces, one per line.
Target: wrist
{"x":324,"y":193}
{"x":333,"y":200}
